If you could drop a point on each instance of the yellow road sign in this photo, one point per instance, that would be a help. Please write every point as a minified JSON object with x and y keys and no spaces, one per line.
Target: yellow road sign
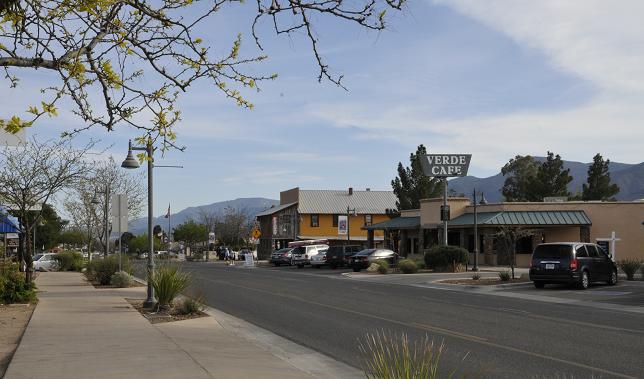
{"x":257,"y":233}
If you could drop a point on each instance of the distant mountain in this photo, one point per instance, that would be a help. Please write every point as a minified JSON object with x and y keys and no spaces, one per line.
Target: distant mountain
{"x":629,"y":178}
{"x":250,"y":206}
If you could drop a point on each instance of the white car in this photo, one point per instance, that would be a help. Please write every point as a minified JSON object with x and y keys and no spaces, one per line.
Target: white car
{"x":45,"y":262}
{"x":319,"y":259}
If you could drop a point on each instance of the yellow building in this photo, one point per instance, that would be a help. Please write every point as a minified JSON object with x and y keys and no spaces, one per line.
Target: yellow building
{"x":321,"y":214}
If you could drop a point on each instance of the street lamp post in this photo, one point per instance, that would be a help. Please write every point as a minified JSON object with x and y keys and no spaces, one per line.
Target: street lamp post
{"x":131,"y":163}
{"x":476,"y":236}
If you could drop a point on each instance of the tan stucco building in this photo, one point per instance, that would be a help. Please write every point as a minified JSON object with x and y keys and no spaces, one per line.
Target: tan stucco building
{"x":418,"y":230}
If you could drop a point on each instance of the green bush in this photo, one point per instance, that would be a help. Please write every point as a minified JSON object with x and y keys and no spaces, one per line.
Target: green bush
{"x":476,"y":276}
{"x":446,"y":258}
{"x":14,"y":288}
{"x":407,"y":266}
{"x":504,"y":276}
{"x":383,"y":266}
{"x":101,"y":270}
{"x":630,"y":267}
{"x":69,"y":261}
{"x":389,"y":356}
{"x":121,"y":279}
{"x":190,"y":307}
{"x":168,"y":282}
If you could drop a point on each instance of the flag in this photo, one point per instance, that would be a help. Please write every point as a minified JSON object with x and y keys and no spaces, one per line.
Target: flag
{"x":167,"y":215}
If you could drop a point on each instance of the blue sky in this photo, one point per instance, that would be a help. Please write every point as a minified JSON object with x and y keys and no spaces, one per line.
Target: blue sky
{"x":493,"y":78}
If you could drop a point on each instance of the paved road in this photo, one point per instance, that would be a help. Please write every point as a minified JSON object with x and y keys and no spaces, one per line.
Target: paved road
{"x":489,"y":335}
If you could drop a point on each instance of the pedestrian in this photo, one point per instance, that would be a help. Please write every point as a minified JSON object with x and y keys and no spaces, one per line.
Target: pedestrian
{"x":227,"y":256}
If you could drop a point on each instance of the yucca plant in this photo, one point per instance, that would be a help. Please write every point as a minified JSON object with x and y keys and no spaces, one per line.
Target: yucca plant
{"x":391,"y":356}
{"x":630,"y":267}
{"x":504,"y":276}
{"x":168,"y":282}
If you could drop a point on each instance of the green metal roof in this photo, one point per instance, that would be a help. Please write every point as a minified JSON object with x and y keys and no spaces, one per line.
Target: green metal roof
{"x":396,"y":223}
{"x":524,"y":218}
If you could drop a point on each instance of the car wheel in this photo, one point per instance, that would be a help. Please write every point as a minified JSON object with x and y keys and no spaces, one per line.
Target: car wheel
{"x":333,"y":267}
{"x":277,"y":264}
{"x":355,"y":269}
{"x":317,"y":266}
{"x":584,"y":281}
{"x":300,"y":266}
{"x":612,"y":280}
{"x":539,"y":284}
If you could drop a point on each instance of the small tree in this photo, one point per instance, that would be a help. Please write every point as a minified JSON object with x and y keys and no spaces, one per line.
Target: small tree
{"x":509,"y":236}
{"x":598,"y":185}
{"x":31,"y":174}
{"x":190,"y":232}
{"x":552,"y":179}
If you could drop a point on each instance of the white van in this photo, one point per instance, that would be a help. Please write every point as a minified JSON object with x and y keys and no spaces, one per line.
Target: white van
{"x":302,"y":254}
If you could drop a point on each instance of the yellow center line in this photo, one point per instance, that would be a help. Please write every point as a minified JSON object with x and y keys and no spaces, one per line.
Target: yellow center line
{"x":435,"y":329}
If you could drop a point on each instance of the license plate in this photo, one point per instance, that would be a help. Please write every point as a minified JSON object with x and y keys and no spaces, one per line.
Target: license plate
{"x":550,"y":266}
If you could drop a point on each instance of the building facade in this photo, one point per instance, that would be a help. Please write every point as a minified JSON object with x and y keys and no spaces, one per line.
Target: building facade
{"x":318,"y":215}
{"x":617,"y":226}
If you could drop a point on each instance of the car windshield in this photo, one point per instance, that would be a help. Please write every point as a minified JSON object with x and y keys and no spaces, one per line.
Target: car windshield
{"x":552,"y":252}
{"x":37,"y":257}
{"x":366,"y":252}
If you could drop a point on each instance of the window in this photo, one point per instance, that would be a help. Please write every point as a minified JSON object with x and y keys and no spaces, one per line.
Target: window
{"x":315,"y":221}
{"x":581,"y":252}
{"x":335,"y":221}
{"x":592,"y":251}
{"x":368,"y":220}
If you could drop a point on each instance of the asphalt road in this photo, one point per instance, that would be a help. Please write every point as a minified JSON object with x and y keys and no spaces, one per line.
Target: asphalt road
{"x":483,"y":335}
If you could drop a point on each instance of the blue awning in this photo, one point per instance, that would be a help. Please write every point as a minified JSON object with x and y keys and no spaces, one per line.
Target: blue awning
{"x":8,"y":224}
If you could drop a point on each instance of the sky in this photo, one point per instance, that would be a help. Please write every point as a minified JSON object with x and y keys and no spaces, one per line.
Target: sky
{"x":492,"y":78}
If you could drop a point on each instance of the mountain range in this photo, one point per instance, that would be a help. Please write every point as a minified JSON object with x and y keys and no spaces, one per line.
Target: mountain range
{"x":629,"y":178}
{"x":249,"y":206}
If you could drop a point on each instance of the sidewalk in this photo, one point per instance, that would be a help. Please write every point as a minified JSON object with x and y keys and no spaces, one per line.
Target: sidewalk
{"x":78,"y":331}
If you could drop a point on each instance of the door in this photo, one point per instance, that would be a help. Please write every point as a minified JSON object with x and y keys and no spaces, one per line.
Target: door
{"x":604,"y":262}
{"x":599,"y":271}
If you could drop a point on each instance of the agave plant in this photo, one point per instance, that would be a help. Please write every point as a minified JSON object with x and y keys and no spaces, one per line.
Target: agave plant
{"x":168,"y":282}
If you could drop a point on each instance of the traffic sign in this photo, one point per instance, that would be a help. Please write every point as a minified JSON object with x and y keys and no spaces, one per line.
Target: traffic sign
{"x":257,"y":233}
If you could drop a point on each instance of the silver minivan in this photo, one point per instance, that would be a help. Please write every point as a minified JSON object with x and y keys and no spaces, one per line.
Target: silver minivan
{"x":302,"y":254}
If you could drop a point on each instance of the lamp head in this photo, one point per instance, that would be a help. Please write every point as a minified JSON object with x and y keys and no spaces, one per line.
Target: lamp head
{"x":483,"y":200}
{"x":130,"y":162}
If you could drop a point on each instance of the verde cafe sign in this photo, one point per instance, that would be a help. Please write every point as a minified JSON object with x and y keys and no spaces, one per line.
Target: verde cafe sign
{"x":445,"y":165}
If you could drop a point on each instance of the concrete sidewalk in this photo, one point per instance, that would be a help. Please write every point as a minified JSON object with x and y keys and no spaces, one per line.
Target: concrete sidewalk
{"x":78,"y":331}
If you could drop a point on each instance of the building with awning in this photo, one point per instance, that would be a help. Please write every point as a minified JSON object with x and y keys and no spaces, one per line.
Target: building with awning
{"x":620,"y":223}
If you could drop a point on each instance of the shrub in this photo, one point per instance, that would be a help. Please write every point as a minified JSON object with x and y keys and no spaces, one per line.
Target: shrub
{"x":504,"y":276}
{"x":407,"y":266}
{"x":14,"y":288}
{"x":121,"y":279}
{"x":386,"y":355}
{"x":446,"y":258}
{"x":630,"y":267}
{"x":383,"y":266}
{"x":101,"y":270}
{"x":69,"y":261}
{"x":168,"y":282}
{"x":190,"y":307}
{"x":476,"y":276}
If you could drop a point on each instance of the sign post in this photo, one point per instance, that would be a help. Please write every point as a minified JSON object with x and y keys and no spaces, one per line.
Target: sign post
{"x":443,"y":166}
{"x":119,"y":218}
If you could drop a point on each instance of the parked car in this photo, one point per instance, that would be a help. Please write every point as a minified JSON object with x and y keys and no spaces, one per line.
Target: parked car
{"x":338,"y":256}
{"x":572,"y":263}
{"x":282,"y":256}
{"x":302,"y":254}
{"x":319,"y":259}
{"x":366,"y":257}
{"x":45,"y":262}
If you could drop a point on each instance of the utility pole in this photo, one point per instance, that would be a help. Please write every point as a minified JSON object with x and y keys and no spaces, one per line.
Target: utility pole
{"x":350,"y":211}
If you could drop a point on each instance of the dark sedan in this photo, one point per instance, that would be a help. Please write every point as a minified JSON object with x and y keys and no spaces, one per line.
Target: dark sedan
{"x":282,"y":257}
